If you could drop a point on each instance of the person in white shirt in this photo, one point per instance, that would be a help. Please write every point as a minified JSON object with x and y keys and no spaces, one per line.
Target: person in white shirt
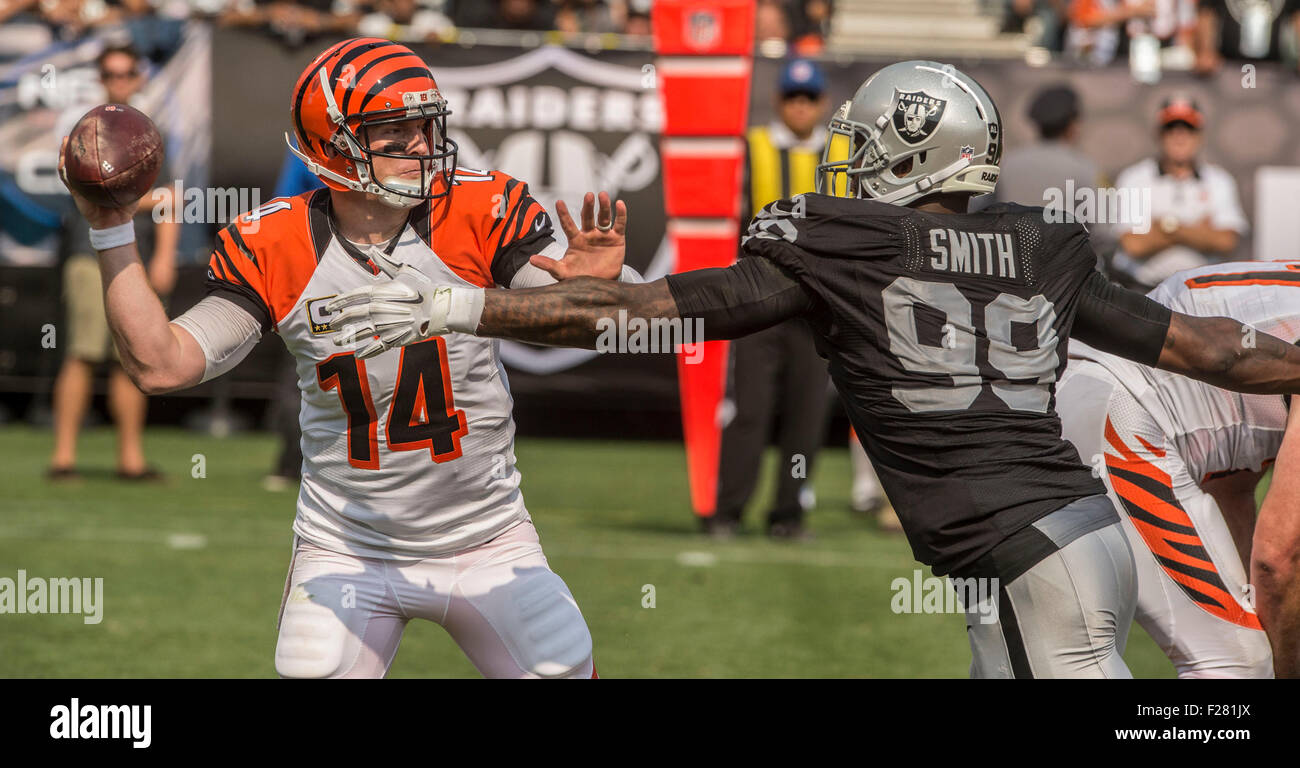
{"x":1192,"y":212}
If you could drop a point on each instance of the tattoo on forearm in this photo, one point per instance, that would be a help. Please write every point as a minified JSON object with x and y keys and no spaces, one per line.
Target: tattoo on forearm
{"x":566,"y":314}
{"x":1223,"y":352}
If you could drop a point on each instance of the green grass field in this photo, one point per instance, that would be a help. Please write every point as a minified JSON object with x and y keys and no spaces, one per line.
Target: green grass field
{"x":613,"y":518}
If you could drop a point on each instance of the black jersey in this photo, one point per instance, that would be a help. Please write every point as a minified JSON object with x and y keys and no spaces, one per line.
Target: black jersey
{"x":945,"y":335}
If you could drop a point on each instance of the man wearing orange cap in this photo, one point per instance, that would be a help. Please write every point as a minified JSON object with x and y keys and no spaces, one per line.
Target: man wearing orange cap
{"x":1191,"y":211}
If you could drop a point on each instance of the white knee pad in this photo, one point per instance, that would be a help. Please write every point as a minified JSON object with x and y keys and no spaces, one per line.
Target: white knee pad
{"x":559,"y":643}
{"x":312,"y":639}
{"x":1221,"y":650}
{"x":1256,"y":656}
{"x":539,"y":623}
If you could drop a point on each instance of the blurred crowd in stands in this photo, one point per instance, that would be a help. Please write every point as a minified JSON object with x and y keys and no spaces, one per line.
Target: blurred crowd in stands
{"x":1196,"y":35}
{"x":154,"y":24}
{"x":1199,"y":35}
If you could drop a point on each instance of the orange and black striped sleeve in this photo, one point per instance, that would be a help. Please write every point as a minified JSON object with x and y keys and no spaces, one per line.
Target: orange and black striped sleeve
{"x":236,"y":274}
{"x":519,"y":228}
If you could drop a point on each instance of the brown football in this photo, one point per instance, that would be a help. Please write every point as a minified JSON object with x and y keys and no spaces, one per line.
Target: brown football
{"x":113,"y":155}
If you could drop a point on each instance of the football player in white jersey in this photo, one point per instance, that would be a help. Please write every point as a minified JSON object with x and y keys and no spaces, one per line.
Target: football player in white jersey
{"x":410,"y":504}
{"x":1182,"y":458}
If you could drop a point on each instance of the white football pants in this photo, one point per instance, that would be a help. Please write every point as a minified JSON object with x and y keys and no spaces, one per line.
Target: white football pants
{"x":343,"y":615}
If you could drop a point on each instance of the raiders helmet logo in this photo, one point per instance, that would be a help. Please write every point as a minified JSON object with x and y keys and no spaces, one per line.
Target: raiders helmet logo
{"x":916,"y":115}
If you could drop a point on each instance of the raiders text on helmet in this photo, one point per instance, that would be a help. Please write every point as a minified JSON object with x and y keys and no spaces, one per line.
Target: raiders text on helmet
{"x":352,"y":87}
{"x":913,"y":129}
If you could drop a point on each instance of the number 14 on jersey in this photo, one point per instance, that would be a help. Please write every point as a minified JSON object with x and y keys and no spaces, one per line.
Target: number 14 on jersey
{"x":422,"y":413}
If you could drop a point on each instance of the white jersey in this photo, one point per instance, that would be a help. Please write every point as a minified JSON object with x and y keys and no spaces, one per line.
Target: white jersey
{"x":1216,"y":430}
{"x":410,"y":454}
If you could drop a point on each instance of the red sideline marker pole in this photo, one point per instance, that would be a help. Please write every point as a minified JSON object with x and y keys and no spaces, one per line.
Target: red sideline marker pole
{"x":703,"y":71}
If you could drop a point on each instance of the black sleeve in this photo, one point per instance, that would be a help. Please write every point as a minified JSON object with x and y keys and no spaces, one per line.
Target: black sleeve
{"x":246,"y":298}
{"x":748,"y":296}
{"x":1120,"y":321}
{"x":514,"y":256}
{"x":522,"y":229}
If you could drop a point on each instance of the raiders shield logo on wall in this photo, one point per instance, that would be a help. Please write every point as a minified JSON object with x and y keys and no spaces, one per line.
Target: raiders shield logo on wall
{"x":916,"y":115}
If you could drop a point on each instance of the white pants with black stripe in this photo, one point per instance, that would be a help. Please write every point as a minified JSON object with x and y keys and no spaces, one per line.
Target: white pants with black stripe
{"x":1069,"y":614}
{"x":1193,"y":588}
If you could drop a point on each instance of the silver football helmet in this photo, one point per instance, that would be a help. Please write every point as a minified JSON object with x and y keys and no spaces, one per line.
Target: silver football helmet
{"x":913,"y":129}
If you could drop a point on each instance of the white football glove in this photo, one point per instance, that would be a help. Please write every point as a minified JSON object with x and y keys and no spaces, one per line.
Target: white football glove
{"x":407,"y":309}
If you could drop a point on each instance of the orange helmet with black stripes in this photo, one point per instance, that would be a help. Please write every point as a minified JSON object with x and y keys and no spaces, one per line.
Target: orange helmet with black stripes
{"x":353,"y":86}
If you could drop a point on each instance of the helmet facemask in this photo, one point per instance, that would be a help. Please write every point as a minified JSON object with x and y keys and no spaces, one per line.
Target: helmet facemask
{"x":852,"y":150}
{"x":353,"y":142}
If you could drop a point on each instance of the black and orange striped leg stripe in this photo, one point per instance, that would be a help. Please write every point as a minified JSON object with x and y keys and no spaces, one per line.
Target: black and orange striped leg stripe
{"x":1147,"y":493}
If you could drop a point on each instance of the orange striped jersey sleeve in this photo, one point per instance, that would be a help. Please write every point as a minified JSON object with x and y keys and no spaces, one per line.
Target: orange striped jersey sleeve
{"x":518,"y":228}
{"x":488,"y":228}
{"x":235,"y":273}
{"x":263,"y":259}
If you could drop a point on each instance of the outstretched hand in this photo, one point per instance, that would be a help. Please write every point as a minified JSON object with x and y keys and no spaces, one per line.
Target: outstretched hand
{"x":595,"y":250}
